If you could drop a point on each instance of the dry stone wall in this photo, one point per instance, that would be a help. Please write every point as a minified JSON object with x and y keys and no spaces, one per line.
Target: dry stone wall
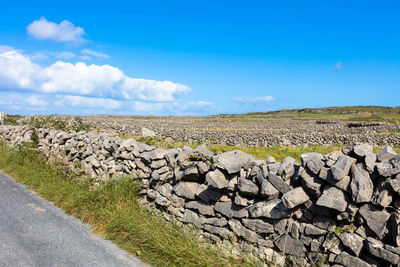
{"x":340,"y":209}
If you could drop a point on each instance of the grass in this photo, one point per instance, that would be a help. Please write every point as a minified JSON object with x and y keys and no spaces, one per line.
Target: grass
{"x":113,"y":211}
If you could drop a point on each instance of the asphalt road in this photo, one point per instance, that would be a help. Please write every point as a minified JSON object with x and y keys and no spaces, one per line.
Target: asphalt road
{"x":33,"y":232}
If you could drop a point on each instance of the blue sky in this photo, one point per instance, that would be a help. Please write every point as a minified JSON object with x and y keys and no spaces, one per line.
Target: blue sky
{"x":197,"y":57}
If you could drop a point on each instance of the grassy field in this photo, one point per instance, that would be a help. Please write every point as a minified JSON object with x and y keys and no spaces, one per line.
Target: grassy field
{"x":114,"y":212}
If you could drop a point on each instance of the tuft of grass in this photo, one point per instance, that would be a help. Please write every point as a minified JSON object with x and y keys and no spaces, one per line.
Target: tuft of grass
{"x":113,"y":210}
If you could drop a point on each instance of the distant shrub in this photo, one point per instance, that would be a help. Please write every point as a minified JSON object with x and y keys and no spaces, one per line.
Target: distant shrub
{"x":53,"y":122}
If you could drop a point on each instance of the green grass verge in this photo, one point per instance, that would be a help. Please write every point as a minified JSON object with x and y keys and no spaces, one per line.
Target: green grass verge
{"x":114,"y":212}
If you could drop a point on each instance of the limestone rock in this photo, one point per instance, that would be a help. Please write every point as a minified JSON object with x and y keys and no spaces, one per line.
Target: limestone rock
{"x":230,"y":210}
{"x":147,"y":132}
{"x":294,"y":197}
{"x":273,"y":209}
{"x":187,"y":189}
{"x":342,"y":167}
{"x":362,"y":150}
{"x":247,"y":187}
{"x":376,"y":249}
{"x":232,"y":161}
{"x":217,"y":179}
{"x":376,"y":219}
{"x":353,"y":242}
{"x":202,"y":208}
{"x":386,"y":153}
{"x":347,"y":260}
{"x":361,"y":184}
{"x":313,"y":161}
{"x":332,"y":198}
{"x":290,"y":245}
{"x":286,"y":169}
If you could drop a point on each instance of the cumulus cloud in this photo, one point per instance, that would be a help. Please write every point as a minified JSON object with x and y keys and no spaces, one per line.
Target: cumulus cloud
{"x":261,"y":99}
{"x":18,"y":72}
{"x":94,"y":53}
{"x":65,"y":31}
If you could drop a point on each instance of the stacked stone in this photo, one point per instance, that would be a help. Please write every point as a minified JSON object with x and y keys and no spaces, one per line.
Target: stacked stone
{"x":340,"y":209}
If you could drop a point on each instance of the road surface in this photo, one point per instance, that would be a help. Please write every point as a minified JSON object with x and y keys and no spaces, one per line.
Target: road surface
{"x":33,"y":232}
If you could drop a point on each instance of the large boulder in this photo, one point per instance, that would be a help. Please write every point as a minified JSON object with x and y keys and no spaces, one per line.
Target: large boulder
{"x":232,"y":161}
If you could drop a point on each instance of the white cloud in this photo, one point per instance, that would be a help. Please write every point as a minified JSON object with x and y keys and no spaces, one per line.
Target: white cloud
{"x":65,"y":31}
{"x":94,"y":53}
{"x":338,"y":66}
{"x":261,"y":99}
{"x":87,"y":102}
{"x":18,"y":72}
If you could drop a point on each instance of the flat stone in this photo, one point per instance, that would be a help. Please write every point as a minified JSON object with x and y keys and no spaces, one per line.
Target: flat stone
{"x":311,"y":183}
{"x":286,"y":169}
{"x":232,"y":161}
{"x":147,"y":132}
{"x":272,"y":209}
{"x":217,"y":179}
{"x":353,"y":242}
{"x":313,"y":161}
{"x":156,"y":164}
{"x":376,"y":219}
{"x":370,"y":161}
{"x":376,"y":249}
{"x":231,"y":210}
{"x":361,"y":184}
{"x":165,"y":190}
{"x":310,"y":229}
{"x":259,"y":226}
{"x":383,"y":196}
{"x":389,"y":167}
{"x":325,"y":223}
{"x":192,"y":217}
{"x":386,"y":153}
{"x":279,"y":183}
{"x":248,"y":187}
{"x":342,"y":167}
{"x":332,"y":198}
{"x":155,"y":154}
{"x":362,"y":150}
{"x":290,"y":246}
{"x":187,"y":189}
{"x":294,"y":197}
{"x":395,"y":184}
{"x":204,"y":151}
{"x":242,"y":201}
{"x":395,"y":227}
{"x":273,"y":168}
{"x":242,"y":231}
{"x":208,"y":193}
{"x":202,"y":208}
{"x":216,"y":221}
{"x":347,"y":260}
{"x":221,"y":231}
{"x":268,"y":190}
{"x":344,"y":184}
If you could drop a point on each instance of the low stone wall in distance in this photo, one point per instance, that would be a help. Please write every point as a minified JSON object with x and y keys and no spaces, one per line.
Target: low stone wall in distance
{"x":335,"y":209}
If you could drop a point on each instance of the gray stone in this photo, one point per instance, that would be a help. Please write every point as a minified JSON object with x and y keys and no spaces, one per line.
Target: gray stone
{"x":278,"y":183}
{"x":383,"y":196}
{"x":313,"y":161}
{"x":376,"y":249}
{"x":294,"y":197}
{"x":231,"y":210}
{"x":156,"y":164}
{"x":217,"y":179}
{"x":191,"y":173}
{"x":202,"y":208}
{"x":376,"y":219}
{"x":344,"y":184}
{"x":203,"y":167}
{"x":353,"y":242}
{"x":370,"y":161}
{"x":311,"y":183}
{"x":286,"y":169}
{"x":272,"y":209}
{"x":155,"y":154}
{"x":242,"y":231}
{"x":247,"y":187}
{"x":362,"y":150}
{"x":395,"y":184}
{"x":177,"y":202}
{"x":216,"y":221}
{"x":259,"y":226}
{"x":242,"y":201}
{"x":310,"y":229}
{"x":386,"y":153}
{"x":289,"y":245}
{"x":221,"y":231}
{"x":187,"y":189}
{"x":147,"y":132}
{"x":192,"y":217}
{"x":332,"y":198}
{"x":280,"y":226}
{"x":342,"y":167}
{"x":395,"y":227}
{"x":232,"y":161}
{"x":332,"y":244}
{"x":268,"y":190}
{"x":389,"y":167}
{"x":361,"y":184}
{"x":204,"y":151}
{"x":165,"y":190}
{"x":271,"y":159}
{"x":273,"y":168}
{"x":347,"y":260}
